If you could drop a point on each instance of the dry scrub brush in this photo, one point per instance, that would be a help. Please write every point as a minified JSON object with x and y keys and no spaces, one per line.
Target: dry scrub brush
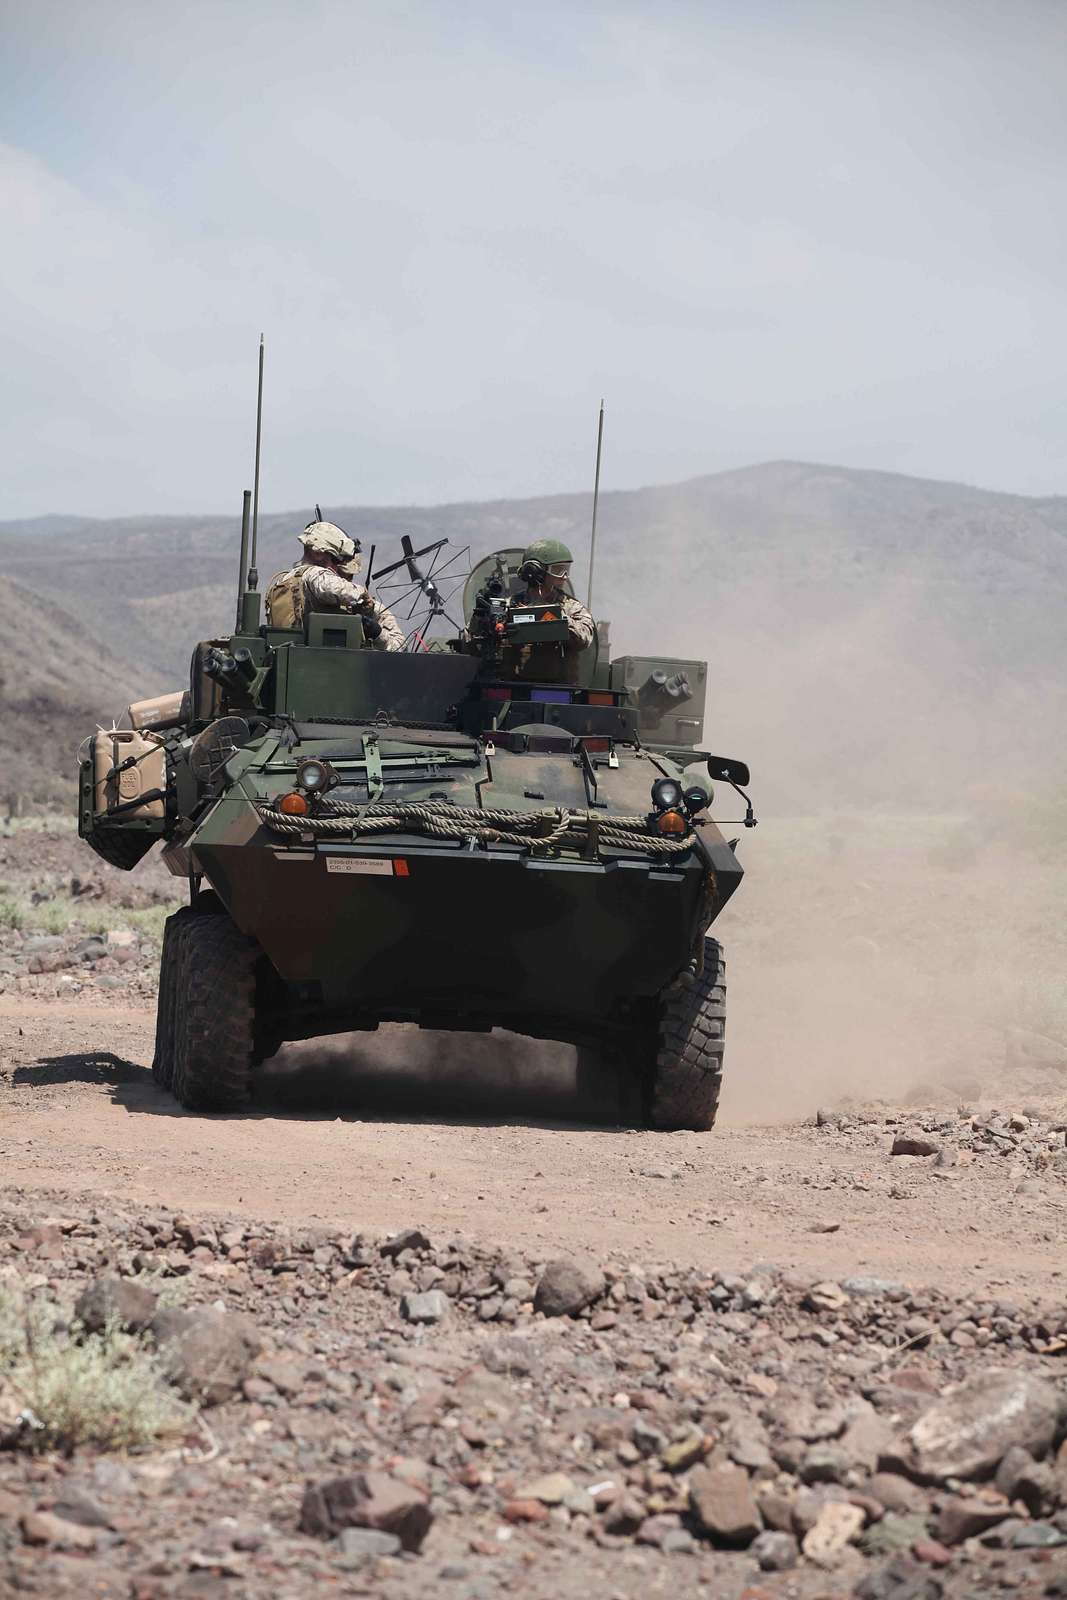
{"x":61,"y":1386}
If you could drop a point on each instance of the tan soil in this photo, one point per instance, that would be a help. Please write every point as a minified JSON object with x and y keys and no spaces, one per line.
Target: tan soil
{"x":488,"y":1136}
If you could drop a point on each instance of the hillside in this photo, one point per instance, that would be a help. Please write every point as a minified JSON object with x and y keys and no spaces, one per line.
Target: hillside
{"x":869,"y":631}
{"x":55,"y":682}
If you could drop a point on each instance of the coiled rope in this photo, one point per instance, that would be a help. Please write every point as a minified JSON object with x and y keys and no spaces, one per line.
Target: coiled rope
{"x":540,"y":831}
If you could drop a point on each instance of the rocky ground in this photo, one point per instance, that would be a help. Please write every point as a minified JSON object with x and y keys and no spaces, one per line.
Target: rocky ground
{"x":417,"y":1414}
{"x":447,"y":1325}
{"x":71,"y":927}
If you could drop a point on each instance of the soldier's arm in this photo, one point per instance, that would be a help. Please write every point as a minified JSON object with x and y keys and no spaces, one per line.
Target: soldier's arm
{"x":392,"y":634}
{"x":579,"y":623}
{"x":328,"y":591}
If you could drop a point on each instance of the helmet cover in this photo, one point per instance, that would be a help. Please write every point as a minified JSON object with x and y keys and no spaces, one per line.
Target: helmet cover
{"x":327,"y":539}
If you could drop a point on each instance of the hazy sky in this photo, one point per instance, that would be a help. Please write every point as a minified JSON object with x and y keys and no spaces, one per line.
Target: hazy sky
{"x":761,"y":229}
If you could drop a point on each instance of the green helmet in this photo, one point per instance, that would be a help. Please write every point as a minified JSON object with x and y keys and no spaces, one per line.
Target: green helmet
{"x":550,"y":555}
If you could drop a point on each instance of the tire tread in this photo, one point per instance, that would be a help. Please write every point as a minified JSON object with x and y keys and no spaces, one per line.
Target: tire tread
{"x":686,"y":1079}
{"x":216,"y":989}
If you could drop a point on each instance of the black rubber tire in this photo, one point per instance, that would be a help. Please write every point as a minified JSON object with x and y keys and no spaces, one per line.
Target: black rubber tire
{"x":121,"y":847}
{"x":166,"y":1001}
{"x":686,"y":1078}
{"x":215,"y":1033}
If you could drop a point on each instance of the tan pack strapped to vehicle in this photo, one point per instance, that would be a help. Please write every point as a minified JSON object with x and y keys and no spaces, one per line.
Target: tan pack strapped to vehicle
{"x":285,"y":600}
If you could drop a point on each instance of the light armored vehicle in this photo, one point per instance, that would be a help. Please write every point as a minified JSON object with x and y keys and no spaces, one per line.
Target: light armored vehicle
{"x":422,"y":837}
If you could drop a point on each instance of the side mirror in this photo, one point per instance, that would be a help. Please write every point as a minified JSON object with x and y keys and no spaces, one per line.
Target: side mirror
{"x":725,"y":768}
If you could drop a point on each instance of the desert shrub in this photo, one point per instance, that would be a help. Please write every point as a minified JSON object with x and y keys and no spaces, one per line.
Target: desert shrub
{"x":78,"y":1388}
{"x":12,"y":912}
{"x":53,"y":917}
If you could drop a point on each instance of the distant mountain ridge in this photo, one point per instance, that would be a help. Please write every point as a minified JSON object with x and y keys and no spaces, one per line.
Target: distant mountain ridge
{"x":906,"y":614}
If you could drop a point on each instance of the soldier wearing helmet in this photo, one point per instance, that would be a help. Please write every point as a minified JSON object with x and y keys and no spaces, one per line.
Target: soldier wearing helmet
{"x":324,"y":581}
{"x":546,"y":567}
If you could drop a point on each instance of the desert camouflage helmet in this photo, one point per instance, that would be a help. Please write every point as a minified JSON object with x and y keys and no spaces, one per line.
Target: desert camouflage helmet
{"x":551,"y":553}
{"x":327,"y":539}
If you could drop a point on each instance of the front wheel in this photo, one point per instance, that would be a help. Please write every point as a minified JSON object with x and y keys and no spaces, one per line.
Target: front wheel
{"x":216,"y":1022}
{"x":683,"y":1085}
{"x":164,"y":1056}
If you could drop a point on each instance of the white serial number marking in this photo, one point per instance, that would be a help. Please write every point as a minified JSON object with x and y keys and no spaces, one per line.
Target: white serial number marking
{"x":376,"y":866}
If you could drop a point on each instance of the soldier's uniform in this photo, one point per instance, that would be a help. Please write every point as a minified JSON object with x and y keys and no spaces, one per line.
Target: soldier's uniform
{"x":546,"y":565}
{"x":308,"y":586}
{"x":556,"y":662}
{"x":305,"y":587}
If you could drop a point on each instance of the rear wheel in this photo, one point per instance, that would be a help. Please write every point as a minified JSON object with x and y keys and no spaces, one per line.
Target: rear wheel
{"x":215,"y":1034}
{"x":686,"y":1077}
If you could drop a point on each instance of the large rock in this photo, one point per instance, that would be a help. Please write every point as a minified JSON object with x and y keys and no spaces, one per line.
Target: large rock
{"x":967,"y":1434}
{"x":407,"y":1239}
{"x":206,"y":1353}
{"x":832,"y":1532}
{"x":367,"y":1500}
{"x":723,"y":1504}
{"x":1020,"y":1477}
{"x":110,"y":1299}
{"x":966,"y":1517}
{"x":775,"y":1552}
{"x":901,"y":1579}
{"x":361,"y":1546}
{"x":44,"y":1527}
{"x":567,"y":1287}
{"x":906,"y":1144}
{"x":432,"y":1306}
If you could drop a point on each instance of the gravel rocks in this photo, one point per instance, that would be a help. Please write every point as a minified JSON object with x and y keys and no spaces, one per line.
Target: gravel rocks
{"x":739,"y":1425}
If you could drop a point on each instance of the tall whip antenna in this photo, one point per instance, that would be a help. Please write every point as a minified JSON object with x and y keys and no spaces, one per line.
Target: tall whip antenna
{"x":253,"y":575}
{"x":596,"y":497}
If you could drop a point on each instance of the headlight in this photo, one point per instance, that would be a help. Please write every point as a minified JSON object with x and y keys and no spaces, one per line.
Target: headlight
{"x":313,"y":775}
{"x":666,"y":794}
{"x":697,"y":794}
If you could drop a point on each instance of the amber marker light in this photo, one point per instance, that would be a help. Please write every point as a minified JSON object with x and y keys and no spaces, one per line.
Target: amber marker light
{"x":672,"y":822}
{"x":293,"y":805}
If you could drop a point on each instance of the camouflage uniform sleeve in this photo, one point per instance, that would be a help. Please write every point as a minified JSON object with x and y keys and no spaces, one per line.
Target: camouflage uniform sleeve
{"x":328,"y":591}
{"x":392,"y":634}
{"x":579,"y":621}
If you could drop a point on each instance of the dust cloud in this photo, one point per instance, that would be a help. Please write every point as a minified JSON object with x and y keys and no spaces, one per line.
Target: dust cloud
{"x":899,"y":934}
{"x":405,"y":1074}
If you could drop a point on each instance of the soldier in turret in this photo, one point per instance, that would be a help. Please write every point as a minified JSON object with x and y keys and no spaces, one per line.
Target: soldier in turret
{"x":324,"y":580}
{"x":546,"y":566}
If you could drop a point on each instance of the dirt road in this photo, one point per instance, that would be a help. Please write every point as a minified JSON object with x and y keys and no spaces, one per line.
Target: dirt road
{"x":488,"y":1137}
